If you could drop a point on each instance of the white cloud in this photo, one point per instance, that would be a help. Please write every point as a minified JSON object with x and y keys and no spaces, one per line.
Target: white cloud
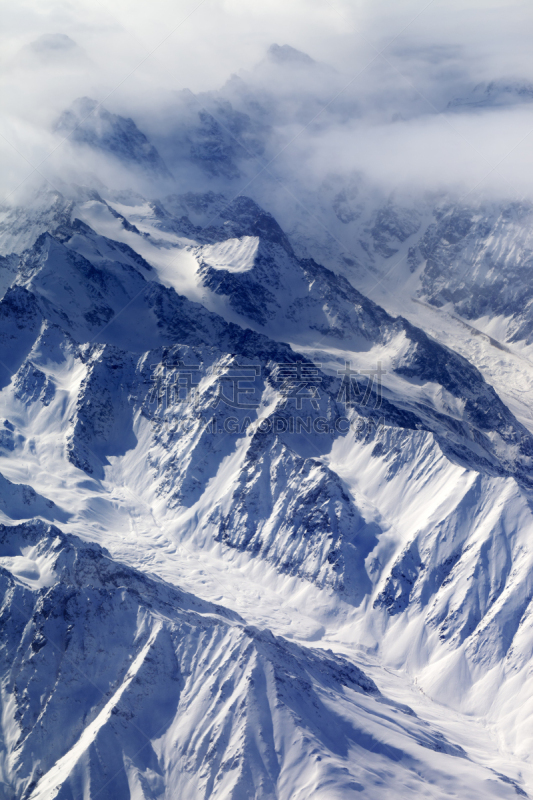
{"x":398,"y":65}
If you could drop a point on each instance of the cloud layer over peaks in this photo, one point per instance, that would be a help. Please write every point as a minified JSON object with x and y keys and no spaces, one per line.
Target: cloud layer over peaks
{"x":413,"y":96}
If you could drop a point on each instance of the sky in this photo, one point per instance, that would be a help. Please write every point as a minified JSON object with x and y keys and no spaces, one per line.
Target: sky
{"x":399,"y":63}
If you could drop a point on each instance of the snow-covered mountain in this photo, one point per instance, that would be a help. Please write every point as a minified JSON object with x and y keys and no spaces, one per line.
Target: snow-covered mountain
{"x":88,"y":124}
{"x":117,"y":685}
{"x":265,"y":485}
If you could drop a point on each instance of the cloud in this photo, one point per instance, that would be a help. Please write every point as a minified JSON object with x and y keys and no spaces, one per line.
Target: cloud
{"x":374,"y":98}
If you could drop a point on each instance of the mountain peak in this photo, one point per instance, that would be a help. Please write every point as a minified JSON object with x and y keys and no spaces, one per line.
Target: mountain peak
{"x":52,"y":48}
{"x":53,"y":41}
{"x":87,"y":122}
{"x":496,"y":93}
{"x":285,"y":54}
